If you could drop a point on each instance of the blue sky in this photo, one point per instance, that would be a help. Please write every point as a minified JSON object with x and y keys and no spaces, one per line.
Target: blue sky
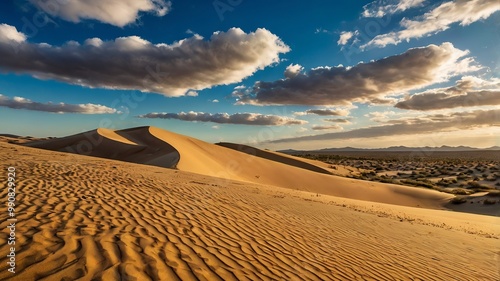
{"x":281,"y":75}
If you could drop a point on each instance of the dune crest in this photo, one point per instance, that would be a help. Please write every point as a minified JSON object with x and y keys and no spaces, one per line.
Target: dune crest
{"x":132,"y":145}
{"x":274,"y":156}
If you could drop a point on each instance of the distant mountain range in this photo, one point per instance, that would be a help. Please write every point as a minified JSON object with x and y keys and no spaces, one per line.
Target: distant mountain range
{"x":395,"y":149}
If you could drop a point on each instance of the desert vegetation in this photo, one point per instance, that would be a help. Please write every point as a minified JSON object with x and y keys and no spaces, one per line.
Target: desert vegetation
{"x":451,"y":173}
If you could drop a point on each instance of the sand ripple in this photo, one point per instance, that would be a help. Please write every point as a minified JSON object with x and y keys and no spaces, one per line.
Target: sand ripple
{"x":84,"y":218}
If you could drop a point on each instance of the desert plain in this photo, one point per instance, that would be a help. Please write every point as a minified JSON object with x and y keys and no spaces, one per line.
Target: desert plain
{"x":149,"y":204}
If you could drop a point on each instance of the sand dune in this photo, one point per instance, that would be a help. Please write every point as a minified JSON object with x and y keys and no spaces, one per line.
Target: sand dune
{"x":274,"y":156}
{"x":154,"y":146}
{"x":87,"y":218}
{"x":124,"y":145}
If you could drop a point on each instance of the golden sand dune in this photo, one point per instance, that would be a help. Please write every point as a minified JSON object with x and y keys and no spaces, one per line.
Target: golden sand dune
{"x":154,"y":146}
{"x":275,"y":156}
{"x":87,"y":218}
{"x":133,"y":145}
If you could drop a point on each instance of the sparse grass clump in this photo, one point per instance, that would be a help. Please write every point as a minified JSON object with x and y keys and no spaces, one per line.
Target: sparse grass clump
{"x":458,"y":200}
{"x":489,"y":201}
{"x":460,"y":191}
{"x":418,"y":183}
{"x":495,"y":193}
{"x":476,"y":185}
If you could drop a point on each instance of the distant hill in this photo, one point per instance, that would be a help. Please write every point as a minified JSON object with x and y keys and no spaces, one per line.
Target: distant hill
{"x":394,"y":149}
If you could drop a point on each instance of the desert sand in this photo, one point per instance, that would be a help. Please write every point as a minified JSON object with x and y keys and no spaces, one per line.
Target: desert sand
{"x":220,"y":214}
{"x":154,"y":146}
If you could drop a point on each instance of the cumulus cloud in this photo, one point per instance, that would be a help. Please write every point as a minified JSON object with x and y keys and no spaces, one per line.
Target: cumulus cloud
{"x":414,"y":126}
{"x":192,"y":93}
{"x":133,"y":63}
{"x":23,"y":103}
{"x":9,"y":34}
{"x":324,"y":112}
{"x":330,"y":127}
{"x":293,"y":70}
{"x":372,"y":82}
{"x":224,"y":118}
{"x":463,"y":12}
{"x":118,"y":13}
{"x":378,"y":9}
{"x":345,"y":36}
{"x":468,"y":91}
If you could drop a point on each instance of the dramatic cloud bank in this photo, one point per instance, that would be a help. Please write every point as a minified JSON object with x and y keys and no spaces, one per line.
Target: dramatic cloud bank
{"x":372,"y":82}
{"x":414,"y":126}
{"x":379,"y":8}
{"x":224,"y":118}
{"x":133,"y":63}
{"x":119,"y":13}
{"x":439,"y":19}
{"x":468,"y":91}
{"x":22,"y":103}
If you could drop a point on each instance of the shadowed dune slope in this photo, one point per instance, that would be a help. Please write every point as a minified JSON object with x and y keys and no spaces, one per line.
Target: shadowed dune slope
{"x":150,"y":145}
{"x":277,"y":157}
{"x":125,"y":145}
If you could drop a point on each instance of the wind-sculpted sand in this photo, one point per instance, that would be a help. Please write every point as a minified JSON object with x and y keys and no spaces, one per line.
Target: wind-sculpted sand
{"x":154,"y":146}
{"x":87,"y":218}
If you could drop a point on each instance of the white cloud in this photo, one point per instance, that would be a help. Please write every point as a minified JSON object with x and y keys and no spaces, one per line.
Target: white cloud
{"x":322,"y":30}
{"x":345,"y":36}
{"x":225,"y":118}
{"x":215,"y":100}
{"x":293,"y":70}
{"x":132,"y":63}
{"x":463,"y":12}
{"x":9,"y":34}
{"x":467,"y":92}
{"x":378,"y":9}
{"x":373,"y":82}
{"x":23,"y":103}
{"x":118,"y":13}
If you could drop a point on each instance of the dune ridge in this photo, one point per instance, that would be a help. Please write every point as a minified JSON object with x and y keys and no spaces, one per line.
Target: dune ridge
{"x":154,"y":146}
{"x":277,"y":157}
{"x":124,"y":145}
